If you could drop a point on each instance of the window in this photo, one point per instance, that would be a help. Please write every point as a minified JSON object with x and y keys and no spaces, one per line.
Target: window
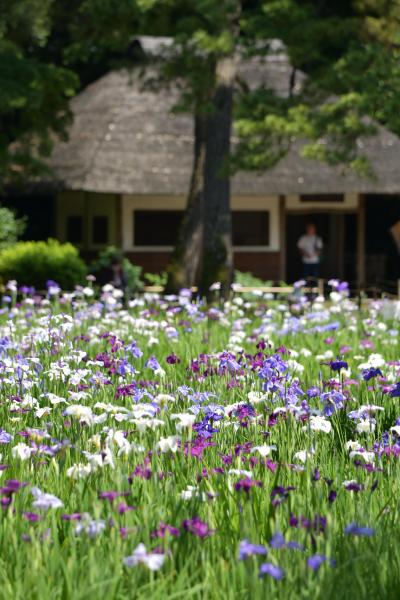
{"x":75,"y":229}
{"x":250,"y":228}
{"x":322,"y":198}
{"x":161,"y":227}
{"x":100,"y":230}
{"x":156,"y":227}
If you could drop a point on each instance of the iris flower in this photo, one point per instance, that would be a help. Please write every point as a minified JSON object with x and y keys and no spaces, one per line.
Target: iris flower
{"x":272,"y":570}
{"x":45,"y":501}
{"x":354,"y":529}
{"x":151,"y":560}
{"x":247,"y":549}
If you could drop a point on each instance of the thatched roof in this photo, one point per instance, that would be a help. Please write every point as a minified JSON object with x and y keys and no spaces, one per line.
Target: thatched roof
{"x":124,"y":139}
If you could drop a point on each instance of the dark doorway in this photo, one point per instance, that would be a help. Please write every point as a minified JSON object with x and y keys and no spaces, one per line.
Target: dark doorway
{"x":39,"y":212}
{"x":382,"y":255}
{"x":338,"y":232}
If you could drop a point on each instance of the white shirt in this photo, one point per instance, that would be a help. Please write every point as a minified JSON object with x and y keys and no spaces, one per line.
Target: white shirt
{"x":310,"y":245}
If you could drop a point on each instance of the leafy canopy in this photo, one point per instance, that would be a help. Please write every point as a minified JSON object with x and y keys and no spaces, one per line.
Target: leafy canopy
{"x":33,"y":92}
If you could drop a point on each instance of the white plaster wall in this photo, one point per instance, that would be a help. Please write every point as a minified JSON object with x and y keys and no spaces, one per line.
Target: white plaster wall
{"x":350,"y":202}
{"x":86,"y":205}
{"x":130,"y":203}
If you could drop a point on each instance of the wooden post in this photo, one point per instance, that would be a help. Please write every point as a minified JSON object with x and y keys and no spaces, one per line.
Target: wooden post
{"x":321,"y":287}
{"x":361,"y":242}
{"x":282,"y":236}
{"x":341,"y":243}
{"x":118,"y":221}
{"x":86,"y":222}
{"x":398,"y":289}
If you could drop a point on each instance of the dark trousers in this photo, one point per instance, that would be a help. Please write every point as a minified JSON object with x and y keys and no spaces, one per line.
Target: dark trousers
{"x":311,"y":271}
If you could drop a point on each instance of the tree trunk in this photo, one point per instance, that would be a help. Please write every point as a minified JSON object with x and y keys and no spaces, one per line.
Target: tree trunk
{"x":217,"y":263}
{"x":186,"y":262}
{"x":203,"y":254}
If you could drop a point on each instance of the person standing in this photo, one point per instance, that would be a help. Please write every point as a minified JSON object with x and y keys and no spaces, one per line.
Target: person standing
{"x":310,"y":246}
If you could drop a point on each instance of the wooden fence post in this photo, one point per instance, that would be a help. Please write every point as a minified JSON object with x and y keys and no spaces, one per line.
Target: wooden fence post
{"x":321,"y":287}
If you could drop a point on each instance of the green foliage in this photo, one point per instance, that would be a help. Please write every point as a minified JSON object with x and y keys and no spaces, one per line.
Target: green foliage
{"x":11,"y":228}
{"x":350,"y":76}
{"x":307,"y":503}
{"x":132,"y":272}
{"x":34,"y":263}
{"x":156,"y":278}
{"x":247,"y":279}
{"x":34,"y":93}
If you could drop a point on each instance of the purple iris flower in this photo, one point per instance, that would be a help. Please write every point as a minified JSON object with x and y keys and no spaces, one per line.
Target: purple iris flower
{"x":314,"y":562}
{"x":72,"y":517}
{"x":5,"y":438}
{"x":273,"y":365}
{"x":316,"y":476}
{"x":244,"y":410}
{"x":354,"y":486}
{"x":228,"y":362}
{"x":172,"y":359}
{"x":395,"y":391}
{"x":280,"y":493}
{"x":5,"y":502}
{"x":338,"y":365}
{"x":332,"y":401}
{"x":11,"y":486}
{"x":152,"y":363}
{"x":247,"y":549}
{"x":332,"y":496}
{"x":354,"y":529}
{"x":134,"y":350}
{"x":163,"y":529}
{"x":112,"y":495}
{"x":294,"y":546}
{"x":198,"y":527}
{"x":246,"y":484}
{"x":313,"y":392}
{"x":277,"y":540}
{"x":342,"y":286}
{"x":31,"y":516}
{"x":204,"y":428}
{"x":271,"y":570}
{"x":370,"y":373}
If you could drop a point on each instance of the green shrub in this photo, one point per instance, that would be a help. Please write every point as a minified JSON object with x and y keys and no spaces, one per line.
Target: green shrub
{"x":104,"y":260}
{"x":34,"y":263}
{"x":156,"y":278}
{"x":11,"y":228}
{"x":247,"y":279}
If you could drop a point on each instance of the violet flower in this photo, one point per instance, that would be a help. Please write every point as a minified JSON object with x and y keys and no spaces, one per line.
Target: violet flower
{"x":197,"y":527}
{"x":246,"y":484}
{"x":163,"y":529}
{"x":272,"y":570}
{"x":247,"y":549}
{"x":354,"y":529}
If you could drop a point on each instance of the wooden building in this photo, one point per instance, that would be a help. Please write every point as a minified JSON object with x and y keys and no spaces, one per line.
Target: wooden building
{"x":123,"y":175}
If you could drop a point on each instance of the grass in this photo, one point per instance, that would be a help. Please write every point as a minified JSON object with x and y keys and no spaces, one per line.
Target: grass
{"x":59,"y":347}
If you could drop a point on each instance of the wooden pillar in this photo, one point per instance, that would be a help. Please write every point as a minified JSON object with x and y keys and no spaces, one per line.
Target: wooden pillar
{"x":86,"y":222}
{"x":361,"y":242}
{"x":341,"y":244}
{"x":282,"y":237}
{"x":118,"y":221}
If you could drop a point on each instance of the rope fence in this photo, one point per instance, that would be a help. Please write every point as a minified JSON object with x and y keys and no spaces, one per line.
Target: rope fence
{"x":385,"y":289}
{"x":388,"y":289}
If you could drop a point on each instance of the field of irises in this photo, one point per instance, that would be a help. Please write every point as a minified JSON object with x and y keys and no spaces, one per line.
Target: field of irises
{"x":168,"y":448}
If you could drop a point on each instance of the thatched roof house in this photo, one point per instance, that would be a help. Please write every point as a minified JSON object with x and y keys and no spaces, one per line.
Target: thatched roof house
{"x":125,"y":138}
{"x":124,"y":174}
